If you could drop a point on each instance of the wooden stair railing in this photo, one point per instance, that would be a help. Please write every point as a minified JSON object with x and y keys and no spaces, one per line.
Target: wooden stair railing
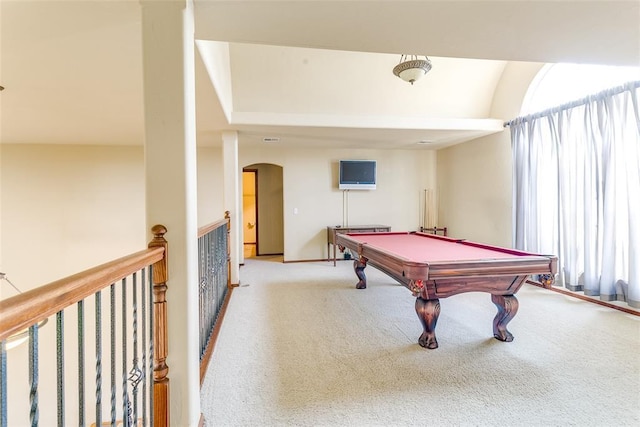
{"x":212,"y":311}
{"x":29,"y":308}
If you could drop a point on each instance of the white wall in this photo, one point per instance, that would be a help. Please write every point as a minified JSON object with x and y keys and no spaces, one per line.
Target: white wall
{"x":474,"y":178}
{"x":73,"y":207}
{"x":475,"y":190}
{"x":310,"y":179}
{"x":66,"y":208}
{"x":210,"y":190}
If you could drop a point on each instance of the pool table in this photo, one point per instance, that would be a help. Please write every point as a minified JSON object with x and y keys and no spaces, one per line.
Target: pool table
{"x":434,"y":267}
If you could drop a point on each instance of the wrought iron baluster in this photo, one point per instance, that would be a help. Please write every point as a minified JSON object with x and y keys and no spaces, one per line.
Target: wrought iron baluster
{"x":210,"y":296}
{"x":112,"y":308}
{"x":151,"y":347}
{"x":135,"y":375}
{"x":33,"y":374}
{"x":143,"y":298}
{"x":98,"y":313}
{"x":215,"y":271}
{"x":81,"y":369}
{"x":3,"y":384}
{"x":209,"y":305}
{"x":201,"y":298}
{"x":60,"y":366}
{"x":220,"y":260}
{"x":217,"y":268}
{"x":126,"y":407}
{"x":213,"y":291}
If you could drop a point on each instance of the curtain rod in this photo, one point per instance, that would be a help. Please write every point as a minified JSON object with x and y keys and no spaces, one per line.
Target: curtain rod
{"x":582,"y":101}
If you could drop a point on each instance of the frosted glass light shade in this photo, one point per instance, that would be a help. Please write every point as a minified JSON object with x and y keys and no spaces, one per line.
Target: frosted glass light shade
{"x":411,"y":68}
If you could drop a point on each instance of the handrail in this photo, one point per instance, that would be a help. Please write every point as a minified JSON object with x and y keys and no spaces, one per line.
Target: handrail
{"x":210,"y":227}
{"x":23,"y":310}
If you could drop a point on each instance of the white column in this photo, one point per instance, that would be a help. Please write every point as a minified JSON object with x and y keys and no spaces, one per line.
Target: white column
{"x":171,"y":180}
{"x":1,"y":122}
{"x":232,"y":198}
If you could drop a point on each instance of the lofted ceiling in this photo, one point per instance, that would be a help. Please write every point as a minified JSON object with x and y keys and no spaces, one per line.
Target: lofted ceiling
{"x":314,"y":73}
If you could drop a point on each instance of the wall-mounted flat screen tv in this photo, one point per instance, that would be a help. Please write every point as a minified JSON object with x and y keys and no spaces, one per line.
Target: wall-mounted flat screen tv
{"x":357,"y":175}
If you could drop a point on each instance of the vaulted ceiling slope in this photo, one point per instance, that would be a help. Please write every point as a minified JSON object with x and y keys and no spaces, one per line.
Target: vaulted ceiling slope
{"x":309,"y":72}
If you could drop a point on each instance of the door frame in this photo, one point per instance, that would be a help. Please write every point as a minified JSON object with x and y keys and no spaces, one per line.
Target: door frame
{"x":254,"y":172}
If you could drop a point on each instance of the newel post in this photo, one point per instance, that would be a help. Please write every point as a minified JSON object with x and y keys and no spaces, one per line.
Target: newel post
{"x":161,"y":345}
{"x":227,"y":216}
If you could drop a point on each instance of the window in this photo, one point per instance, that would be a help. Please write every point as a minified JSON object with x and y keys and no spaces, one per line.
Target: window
{"x":558,"y":84}
{"x":576,"y":177}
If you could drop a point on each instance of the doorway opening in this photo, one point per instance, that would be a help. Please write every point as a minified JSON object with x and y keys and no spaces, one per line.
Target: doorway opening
{"x":262,"y":210}
{"x":250,"y":211}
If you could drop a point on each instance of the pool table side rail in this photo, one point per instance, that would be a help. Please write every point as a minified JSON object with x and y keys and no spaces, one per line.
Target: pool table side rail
{"x":443,"y":288}
{"x":485,"y":268}
{"x":430,"y":236}
{"x":502,"y":249}
{"x":499,"y":276}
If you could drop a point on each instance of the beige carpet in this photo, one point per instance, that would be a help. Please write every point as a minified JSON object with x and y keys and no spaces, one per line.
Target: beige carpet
{"x":300,"y":346}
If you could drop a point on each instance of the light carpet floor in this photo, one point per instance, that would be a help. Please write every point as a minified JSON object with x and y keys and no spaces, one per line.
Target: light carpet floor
{"x":300,"y":346}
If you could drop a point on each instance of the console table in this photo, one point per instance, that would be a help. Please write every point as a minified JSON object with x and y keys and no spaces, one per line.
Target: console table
{"x":336,"y":229}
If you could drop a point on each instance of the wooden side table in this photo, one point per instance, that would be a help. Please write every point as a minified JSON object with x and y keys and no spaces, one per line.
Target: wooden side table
{"x":336,"y":229}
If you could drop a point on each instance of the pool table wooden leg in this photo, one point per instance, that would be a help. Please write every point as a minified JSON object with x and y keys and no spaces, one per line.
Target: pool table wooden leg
{"x":358,"y":266}
{"x":507,"y":309}
{"x":428,"y":311}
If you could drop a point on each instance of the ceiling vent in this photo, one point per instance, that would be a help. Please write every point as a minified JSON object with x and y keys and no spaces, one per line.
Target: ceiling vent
{"x":270,"y":139}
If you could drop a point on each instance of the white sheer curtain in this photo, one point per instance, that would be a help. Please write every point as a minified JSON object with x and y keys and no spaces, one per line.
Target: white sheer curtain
{"x":576,"y":191}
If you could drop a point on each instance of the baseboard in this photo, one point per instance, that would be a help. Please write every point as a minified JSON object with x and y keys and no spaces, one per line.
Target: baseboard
{"x":306,"y":260}
{"x":585,"y":298}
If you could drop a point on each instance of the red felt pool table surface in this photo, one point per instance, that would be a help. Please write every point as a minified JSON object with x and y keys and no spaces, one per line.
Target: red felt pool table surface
{"x":421,"y":247}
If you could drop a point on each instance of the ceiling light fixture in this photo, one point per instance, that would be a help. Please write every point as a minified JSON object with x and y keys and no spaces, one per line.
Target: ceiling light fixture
{"x":411,"y":68}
